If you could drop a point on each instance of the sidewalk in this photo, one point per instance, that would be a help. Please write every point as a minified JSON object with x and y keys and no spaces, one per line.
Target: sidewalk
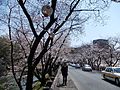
{"x":70,"y":84}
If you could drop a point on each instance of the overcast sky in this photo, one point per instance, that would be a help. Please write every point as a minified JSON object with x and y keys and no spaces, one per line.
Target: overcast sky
{"x":111,"y":29}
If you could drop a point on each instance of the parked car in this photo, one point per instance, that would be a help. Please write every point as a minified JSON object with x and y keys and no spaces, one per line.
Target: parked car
{"x":86,"y":67}
{"x":112,"y":73}
{"x":77,"y":65}
{"x":72,"y":64}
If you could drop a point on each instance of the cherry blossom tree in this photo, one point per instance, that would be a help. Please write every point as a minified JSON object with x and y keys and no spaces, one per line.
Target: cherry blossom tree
{"x":37,"y":33}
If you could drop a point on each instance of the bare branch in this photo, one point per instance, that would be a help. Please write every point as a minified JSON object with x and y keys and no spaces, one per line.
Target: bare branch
{"x":86,"y":10}
{"x":12,"y":60}
{"x":66,"y":18}
{"x":28,"y":17}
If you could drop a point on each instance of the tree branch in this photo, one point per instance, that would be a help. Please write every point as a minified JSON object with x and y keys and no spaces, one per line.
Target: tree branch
{"x":66,"y":18}
{"x":12,"y":60}
{"x":28,"y":17}
{"x":86,"y":10}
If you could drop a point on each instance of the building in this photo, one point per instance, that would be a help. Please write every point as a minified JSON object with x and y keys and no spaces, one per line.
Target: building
{"x":101,"y":43}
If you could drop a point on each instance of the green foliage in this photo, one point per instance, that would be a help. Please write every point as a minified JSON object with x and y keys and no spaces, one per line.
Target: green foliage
{"x":5,"y":60}
{"x":36,"y":86}
{"x":8,"y":83}
{"x":4,"y":54}
{"x":4,"y":48}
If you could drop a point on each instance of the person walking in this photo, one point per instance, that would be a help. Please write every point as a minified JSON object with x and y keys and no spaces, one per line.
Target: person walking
{"x":64,"y":70}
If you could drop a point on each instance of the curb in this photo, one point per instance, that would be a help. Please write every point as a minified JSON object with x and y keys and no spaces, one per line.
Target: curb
{"x":56,"y":81}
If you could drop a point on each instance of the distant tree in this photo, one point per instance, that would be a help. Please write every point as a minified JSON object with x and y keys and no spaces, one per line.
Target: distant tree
{"x":113,"y":52}
{"x":24,"y":17}
{"x":4,"y":54}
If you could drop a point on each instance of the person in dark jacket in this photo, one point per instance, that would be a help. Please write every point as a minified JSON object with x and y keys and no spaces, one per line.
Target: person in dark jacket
{"x":64,"y":70}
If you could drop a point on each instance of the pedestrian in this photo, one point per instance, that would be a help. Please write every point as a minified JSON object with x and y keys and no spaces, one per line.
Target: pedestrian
{"x":64,"y":70}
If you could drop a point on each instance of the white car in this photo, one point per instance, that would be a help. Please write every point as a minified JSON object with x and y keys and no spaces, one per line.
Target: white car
{"x":87,"y":67}
{"x":77,"y":65}
{"x":112,"y":73}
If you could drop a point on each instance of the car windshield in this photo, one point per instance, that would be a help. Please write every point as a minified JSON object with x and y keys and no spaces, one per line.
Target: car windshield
{"x":117,"y":70}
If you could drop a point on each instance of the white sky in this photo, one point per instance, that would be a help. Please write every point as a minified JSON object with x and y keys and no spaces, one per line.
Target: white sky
{"x":111,"y":29}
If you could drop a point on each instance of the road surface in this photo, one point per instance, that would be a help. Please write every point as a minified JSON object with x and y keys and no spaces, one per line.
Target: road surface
{"x":90,"y":80}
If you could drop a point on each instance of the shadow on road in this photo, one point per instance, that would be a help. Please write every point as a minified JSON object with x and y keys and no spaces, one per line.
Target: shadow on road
{"x":111,"y":82}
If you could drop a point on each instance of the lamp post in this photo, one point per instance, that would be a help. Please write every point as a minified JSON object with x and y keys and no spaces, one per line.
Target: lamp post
{"x":116,"y":1}
{"x":47,"y":10}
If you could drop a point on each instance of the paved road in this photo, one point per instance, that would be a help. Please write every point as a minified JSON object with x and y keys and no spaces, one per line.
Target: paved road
{"x":90,"y":80}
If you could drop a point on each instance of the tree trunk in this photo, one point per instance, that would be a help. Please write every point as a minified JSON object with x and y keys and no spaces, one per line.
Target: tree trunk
{"x":43,"y":79}
{"x":29,"y":79}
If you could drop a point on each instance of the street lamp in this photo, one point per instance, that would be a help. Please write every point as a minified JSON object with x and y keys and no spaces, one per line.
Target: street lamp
{"x":116,"y":1}
{"x":47,"y":10}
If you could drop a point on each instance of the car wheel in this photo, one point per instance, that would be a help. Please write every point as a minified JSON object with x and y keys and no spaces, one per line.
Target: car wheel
{"x":104,"y":76}
{"x":117,"y":81}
